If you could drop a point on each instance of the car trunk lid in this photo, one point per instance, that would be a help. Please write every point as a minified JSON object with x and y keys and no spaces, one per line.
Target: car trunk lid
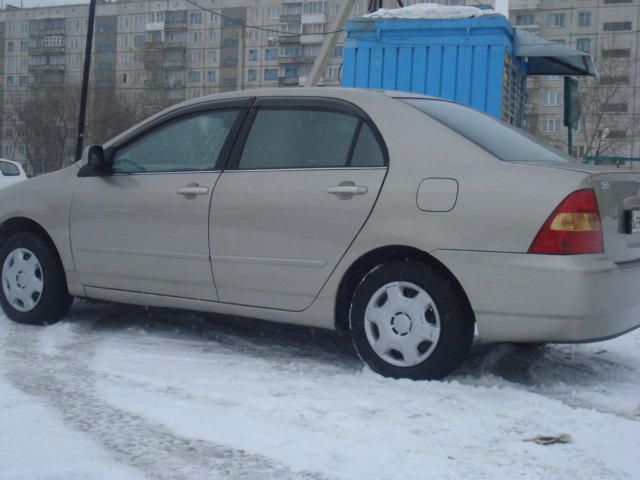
{"x":618,"y":194}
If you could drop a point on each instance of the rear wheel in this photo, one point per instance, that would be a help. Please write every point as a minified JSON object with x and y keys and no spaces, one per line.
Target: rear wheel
{"x":408,"y":320}
{"x":34,"y":288}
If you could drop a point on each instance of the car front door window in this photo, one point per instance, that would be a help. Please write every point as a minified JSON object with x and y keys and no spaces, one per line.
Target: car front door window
{"x":191,"y":143}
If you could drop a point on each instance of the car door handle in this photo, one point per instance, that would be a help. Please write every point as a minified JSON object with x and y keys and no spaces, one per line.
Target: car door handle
{"x":193,"y":190}
{"x":347,"y":190}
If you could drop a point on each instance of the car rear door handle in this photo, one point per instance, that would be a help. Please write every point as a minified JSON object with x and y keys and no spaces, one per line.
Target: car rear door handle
{"x":347,"y":190}
{"x":193,"y":190}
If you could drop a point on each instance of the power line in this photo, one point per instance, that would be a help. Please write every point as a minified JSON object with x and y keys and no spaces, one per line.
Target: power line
{"x":240,"y":22}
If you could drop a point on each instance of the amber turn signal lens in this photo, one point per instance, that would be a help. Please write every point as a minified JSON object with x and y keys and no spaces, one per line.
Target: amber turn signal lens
{"x":576,"y":222}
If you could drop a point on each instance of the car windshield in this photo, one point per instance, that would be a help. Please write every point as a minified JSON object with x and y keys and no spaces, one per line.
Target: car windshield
{"x":498,"y":138}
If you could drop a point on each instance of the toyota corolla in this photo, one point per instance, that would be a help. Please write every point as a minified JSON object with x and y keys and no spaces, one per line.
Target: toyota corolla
{"x":404,"y":221}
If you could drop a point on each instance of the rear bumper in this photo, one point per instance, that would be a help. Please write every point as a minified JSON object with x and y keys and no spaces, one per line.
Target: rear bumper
{"x":546,"y":298}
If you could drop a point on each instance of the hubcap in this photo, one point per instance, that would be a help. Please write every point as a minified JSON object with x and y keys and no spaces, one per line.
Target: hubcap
{"x":22,"y":280}
{"x":402,"y":324}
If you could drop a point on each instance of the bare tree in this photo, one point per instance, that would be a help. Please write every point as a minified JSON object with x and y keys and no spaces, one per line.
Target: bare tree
{"x":607,"y":126}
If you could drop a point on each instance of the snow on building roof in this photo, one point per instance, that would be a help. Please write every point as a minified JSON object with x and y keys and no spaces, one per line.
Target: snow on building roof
{"x":430,"y":10}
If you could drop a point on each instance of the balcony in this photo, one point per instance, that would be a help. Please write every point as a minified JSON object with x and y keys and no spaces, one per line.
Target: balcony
{"x":297,"y":59}
{"x":175,"y":25}
{"x":290,"y":18}
{"x":288,"y":81}
{"x":42,"y":50}
{"x":524,"y":5}
{"x":311,"y":39}
{"x":154,"y":26}
{"x":174,"y":64}
{"x":313,"y":18}
{"x":45,"y":68}
{"x":288,"y":39}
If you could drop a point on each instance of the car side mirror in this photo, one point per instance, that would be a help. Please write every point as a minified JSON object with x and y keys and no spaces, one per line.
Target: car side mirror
{"x":99,"y":162}
{"x":95,"y":157}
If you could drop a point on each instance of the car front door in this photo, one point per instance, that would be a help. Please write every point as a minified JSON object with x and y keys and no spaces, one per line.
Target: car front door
{"x":144,"y":228}
{"x":301,"y":182}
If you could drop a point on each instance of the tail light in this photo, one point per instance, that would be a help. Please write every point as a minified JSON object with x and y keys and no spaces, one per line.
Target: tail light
{"x":573,"y":228}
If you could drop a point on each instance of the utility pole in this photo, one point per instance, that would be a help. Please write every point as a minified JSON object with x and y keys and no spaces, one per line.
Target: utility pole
{"x":329,"y":42}
{"x":85,"y":80}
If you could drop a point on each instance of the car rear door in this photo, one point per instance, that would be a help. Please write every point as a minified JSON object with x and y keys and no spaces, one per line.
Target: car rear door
{"x":302,"y":180}
{"x":145,"y":227}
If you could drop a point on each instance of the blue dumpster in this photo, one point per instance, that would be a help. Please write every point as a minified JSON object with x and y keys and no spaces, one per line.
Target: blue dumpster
{"x":468,"y":60}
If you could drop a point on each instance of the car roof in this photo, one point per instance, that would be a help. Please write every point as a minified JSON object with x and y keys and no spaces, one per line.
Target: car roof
{"x":17,"y":164}
{"x":354,"y":94}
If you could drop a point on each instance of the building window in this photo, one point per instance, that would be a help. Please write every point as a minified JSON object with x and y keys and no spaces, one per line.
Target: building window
{"x":141,"y":21}
{"x":337,"y":51}
{"x":270,"y":54}
{"x":333,"y":72}
{"x":616,"y":26}
{"x":253,"y":55}
{"x":23,"y":81}
{"x":255,"y":14}
{"x":123,"y":78}
{"x":616,"y":53}
{"x":11,"y":46}
{"x":230,"y":62}
{"x":584,"y":19}
{"x":270,"y":74}
{"x":124,"y":22}
{"x":212,"y":36}
{"x":272,"y":12}
{"x":231,"y":42}
{"x":212,"y":56}
{"x":608,"y":2}
{"x":252,"y":75}
{"x":195,"y":18}
{"x":213,"y":18}
{"x":138,"y":40}
{"x":73,"y":61}
{"x":24,"y":45}
{"x":124,"y":41}
{"x":195,"y":56}
{"x":156,"y":17}
{"x":193,"y":76}
{"x":557,"y":20}
{"x":584,"y":45}
{"x":550,"y":125}
{"x":313,"y":28}
{"x":552,"y":99}
{"x":211,"y":76}
{"x":196,"y":38}
{"x":527,"y":19}
{"x":290,"y":51}
{"x":613,"y":80}
{"x":53,"y":41}
{"x":74,"y":24}
{"x":615,"y":107}
{"x":311,"y":8}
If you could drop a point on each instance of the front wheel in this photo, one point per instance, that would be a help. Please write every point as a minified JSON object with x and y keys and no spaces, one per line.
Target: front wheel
{"x":34,"y":288}
{"x":408,"y":320}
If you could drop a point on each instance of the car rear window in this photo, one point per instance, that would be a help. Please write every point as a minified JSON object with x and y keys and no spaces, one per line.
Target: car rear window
{"x":9,"y":169}
{"x":498,"y":138}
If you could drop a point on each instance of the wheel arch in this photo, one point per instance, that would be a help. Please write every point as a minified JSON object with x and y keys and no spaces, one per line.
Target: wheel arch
{"x":25,"y":224}
{"x":365,"y":263}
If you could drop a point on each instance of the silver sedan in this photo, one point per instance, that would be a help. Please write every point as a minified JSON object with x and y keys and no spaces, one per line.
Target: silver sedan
{"x":401,"y":220}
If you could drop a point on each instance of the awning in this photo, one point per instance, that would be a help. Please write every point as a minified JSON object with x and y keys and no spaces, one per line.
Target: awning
{"x":544,"y":57}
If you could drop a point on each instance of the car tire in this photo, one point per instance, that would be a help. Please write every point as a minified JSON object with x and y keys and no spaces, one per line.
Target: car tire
{"x":410,"y":320}
{"x":33,"y":286}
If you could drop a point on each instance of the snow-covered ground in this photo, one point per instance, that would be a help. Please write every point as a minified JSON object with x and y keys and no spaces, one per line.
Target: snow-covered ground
{"x":120,"y":392}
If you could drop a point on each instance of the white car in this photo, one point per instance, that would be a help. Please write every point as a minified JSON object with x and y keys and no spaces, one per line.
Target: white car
{"x":10,"y":172}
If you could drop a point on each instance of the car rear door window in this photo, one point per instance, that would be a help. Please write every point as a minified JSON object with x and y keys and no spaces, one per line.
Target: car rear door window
{"x":298,"y":138}
{"x":190,"y":143}
{"x":367,"y":152}
{"x":9,"y":169}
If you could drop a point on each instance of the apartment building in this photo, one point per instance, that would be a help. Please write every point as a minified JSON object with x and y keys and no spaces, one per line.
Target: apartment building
{"x":176,"y":49}
{"x":608,"y":30}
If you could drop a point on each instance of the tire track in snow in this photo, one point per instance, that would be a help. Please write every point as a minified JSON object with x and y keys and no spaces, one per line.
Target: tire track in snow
{"x":65,"y":382}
